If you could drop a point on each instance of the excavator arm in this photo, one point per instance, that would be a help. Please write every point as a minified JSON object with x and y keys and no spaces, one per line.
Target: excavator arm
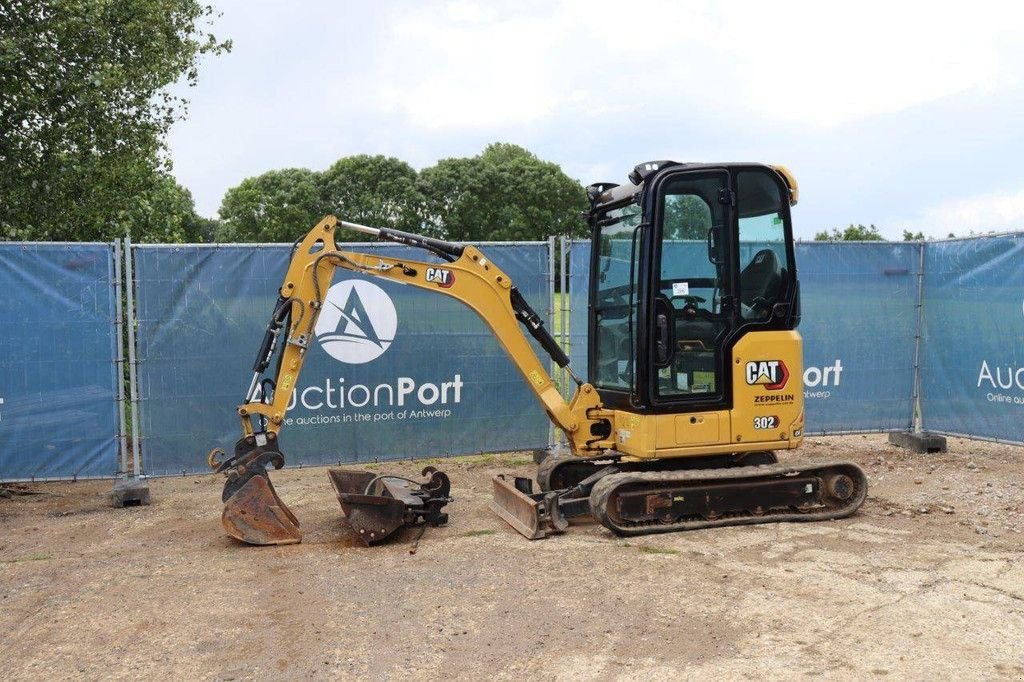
{"x":253,"y":511}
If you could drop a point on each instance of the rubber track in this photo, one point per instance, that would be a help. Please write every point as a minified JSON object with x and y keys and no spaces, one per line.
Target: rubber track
{"x":603,"y":490}
{"x":547,"y":467}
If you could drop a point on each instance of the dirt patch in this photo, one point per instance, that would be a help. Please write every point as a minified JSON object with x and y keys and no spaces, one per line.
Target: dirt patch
{"x":927,"y":581}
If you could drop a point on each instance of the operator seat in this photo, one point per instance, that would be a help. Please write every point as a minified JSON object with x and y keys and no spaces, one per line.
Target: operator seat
{"x":760,"y":282}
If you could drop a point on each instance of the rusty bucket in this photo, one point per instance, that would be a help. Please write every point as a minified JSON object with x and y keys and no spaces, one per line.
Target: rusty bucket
{"x":378,"y":505}
{"x":253,"y":512}
{"x":256,"y":515}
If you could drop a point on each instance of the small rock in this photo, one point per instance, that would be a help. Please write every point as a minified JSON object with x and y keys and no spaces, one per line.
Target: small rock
{"x":972,"y":465}
{"x":924,"y":510}
{"x":917,"y":481}
{"x":981,"y":530}
{"x":946,"y":510}
{"x":984,"y":511}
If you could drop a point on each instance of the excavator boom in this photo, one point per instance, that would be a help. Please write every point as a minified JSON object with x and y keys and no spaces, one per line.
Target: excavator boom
{"x":253,"y":512}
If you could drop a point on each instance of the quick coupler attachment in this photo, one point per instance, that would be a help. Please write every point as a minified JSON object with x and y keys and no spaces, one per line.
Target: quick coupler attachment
{"x":377,"y":505}
{"x":253,"y":512}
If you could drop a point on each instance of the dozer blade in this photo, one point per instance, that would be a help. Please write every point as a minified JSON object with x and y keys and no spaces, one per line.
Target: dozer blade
{"x":256,"y":515}
{"x":527,"y":512}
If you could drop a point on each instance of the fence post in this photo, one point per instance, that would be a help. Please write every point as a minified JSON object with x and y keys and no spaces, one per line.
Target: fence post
{"x":122,"y":468}
{"x":132,"y":490}
{"x":916,"y":438}
{"x":918,"y":419}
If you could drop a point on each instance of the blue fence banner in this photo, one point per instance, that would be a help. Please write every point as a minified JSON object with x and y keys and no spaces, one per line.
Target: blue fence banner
{"x":972,"y":375}
{"x":859,"y":324}
{"x":395,"y":371}
{"x":58,"y":373}
{"x":859,"y":303}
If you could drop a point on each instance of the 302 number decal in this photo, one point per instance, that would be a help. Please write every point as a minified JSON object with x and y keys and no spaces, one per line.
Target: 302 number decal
{"x":766,"y":422}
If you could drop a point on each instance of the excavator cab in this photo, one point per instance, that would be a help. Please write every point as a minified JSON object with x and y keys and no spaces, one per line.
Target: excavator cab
{"x":695,"y":360}
{"x":686,"y":260}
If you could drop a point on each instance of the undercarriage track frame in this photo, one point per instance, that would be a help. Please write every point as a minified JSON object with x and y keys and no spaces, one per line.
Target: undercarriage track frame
{"x":638,"y":498}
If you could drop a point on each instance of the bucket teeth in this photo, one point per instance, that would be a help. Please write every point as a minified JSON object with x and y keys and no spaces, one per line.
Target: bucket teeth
{"x":374,"y":518}
{"x":257,"y":516}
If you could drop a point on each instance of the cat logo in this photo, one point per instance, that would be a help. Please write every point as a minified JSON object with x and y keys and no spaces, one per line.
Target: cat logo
{"x":772,"y":374}
{"x":444,"y":278}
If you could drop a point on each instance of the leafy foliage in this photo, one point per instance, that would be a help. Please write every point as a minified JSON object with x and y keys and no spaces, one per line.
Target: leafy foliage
{"x":853,"y":233}
{"x":506,"y":193}
{"x":372,"y":190}
{"x":165,"y":213}
{"x":84,"y":108}
{"x":278,"y":206}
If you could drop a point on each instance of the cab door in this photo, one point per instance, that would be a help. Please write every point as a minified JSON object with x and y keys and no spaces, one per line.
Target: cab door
{"x":620,"y":238}
{"x":690,"y":298}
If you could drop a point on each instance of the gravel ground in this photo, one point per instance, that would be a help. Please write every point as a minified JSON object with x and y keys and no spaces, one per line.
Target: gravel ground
{"x":925,"y":582}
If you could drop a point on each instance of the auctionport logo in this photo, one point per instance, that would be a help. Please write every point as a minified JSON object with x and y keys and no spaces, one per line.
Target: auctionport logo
{"x":357,"y":323}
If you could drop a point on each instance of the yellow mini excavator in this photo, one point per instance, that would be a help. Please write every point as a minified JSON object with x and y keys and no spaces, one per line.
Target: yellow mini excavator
{"x":694,"y":363}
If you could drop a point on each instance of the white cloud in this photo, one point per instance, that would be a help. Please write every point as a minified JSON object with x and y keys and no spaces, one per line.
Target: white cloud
{"x":993,"y":212}
{"x":597,"y":172}
{"x":488,"y":65}
{"x":598,"y":86}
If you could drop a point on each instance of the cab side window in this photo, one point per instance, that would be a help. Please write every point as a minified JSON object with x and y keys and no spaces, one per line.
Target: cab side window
{"x":762,"y":244}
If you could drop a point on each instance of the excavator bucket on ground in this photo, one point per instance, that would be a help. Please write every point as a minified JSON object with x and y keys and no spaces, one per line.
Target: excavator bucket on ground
{"x":256,"y":515}
{"x":253,"y":512}
{"x":378,"y":505}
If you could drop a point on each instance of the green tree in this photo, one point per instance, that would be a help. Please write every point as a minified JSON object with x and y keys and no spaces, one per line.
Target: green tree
{"x":909,"y":236}
{"x":165,"y":213}
{"x":505,"y":193}
{"x":853,"y":233}
{"x":85,"y":107}
{"x":379,"y":191}
{"x":278,"y":206}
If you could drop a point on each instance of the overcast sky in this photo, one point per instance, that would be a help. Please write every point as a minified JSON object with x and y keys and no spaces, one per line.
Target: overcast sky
{"x":905,"y":116}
